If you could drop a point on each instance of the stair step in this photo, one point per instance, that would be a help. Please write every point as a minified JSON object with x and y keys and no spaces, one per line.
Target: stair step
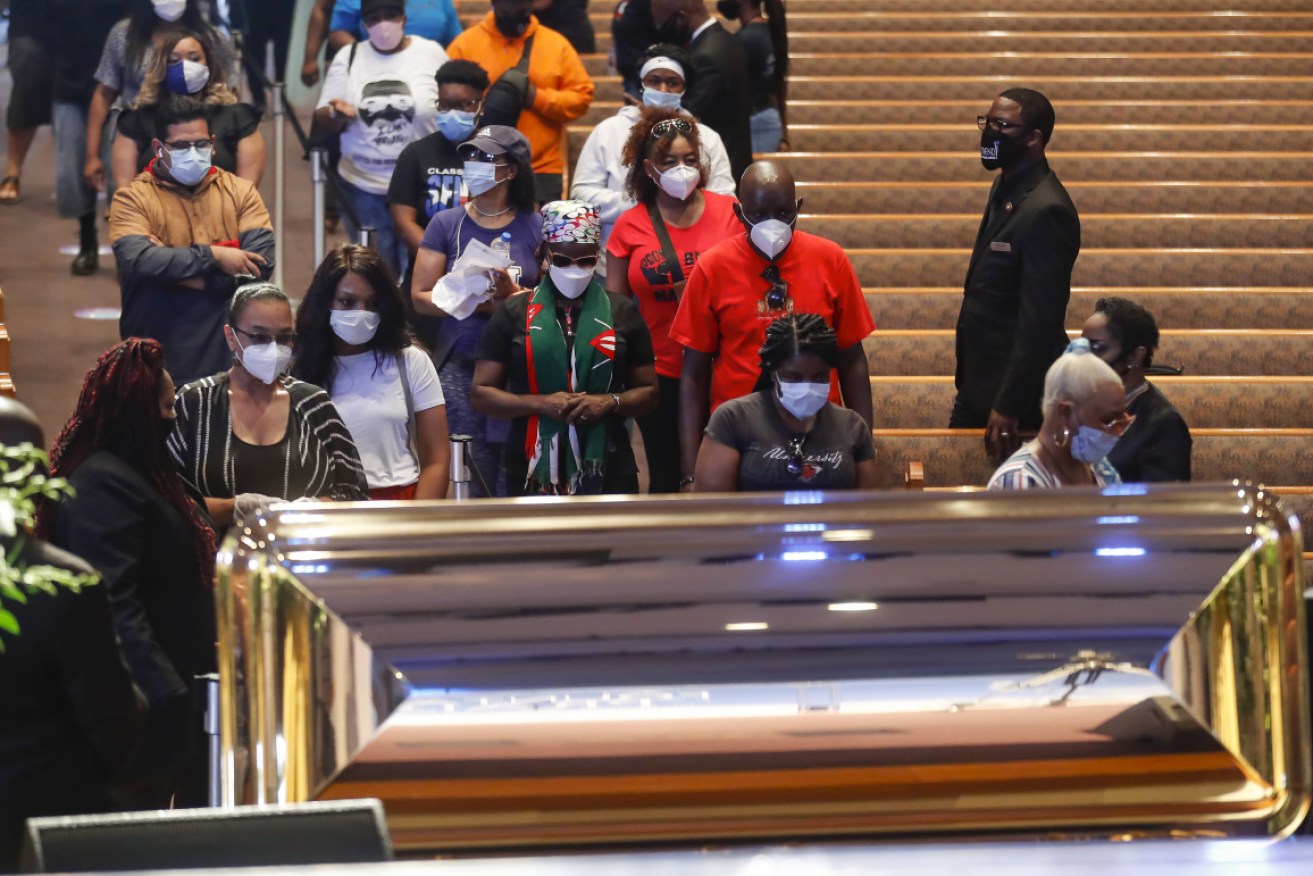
{"x":957,"y":456}
{"x":1222,"y":231}
{"x":1083,"y":112}
{"x":1117,"y":85}
{"x":1052,"y":41}
{"x":1204,"y":402}
{"x":1177,"y":308}
{"x":883,"y":21}
{"x":1029,"y":65}
{"x":1090,"y":197}
{"x":964,"y":166}
{"x":1237,"y":352}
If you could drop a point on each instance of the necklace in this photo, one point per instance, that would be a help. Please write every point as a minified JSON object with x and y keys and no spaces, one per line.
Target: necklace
{"x":475,"y":205}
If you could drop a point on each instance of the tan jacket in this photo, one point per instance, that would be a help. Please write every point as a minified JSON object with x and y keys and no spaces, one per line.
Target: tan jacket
{"x":220,"y":208}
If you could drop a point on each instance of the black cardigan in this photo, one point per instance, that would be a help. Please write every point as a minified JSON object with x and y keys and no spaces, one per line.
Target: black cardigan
{"x":323,"y":462}
{"x":1157,"y":445}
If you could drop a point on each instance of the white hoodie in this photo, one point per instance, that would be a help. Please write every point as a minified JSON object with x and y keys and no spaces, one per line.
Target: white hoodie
{"x":599,"y":175}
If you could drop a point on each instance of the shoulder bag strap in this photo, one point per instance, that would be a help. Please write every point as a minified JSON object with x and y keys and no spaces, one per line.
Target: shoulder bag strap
{"x":523,"y":66}
{"x":411,"y":430}
{"x":667,"y":247}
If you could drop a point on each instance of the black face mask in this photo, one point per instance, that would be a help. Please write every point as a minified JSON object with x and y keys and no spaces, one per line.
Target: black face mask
{"x":673,"y":31}
{"x":998,"y":150}
{"x":728,"y":9}
{"x":512,"y":26}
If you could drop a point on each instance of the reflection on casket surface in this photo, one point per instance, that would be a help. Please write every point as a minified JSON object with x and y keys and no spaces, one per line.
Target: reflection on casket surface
{"x":554,"y":672}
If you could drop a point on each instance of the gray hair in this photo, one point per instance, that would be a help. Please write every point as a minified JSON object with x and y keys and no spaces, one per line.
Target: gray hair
{"x":1076,"y":376}
{"x":250,"y":293}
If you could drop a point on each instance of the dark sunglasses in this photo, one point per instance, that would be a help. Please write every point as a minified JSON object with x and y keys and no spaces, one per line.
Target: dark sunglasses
{"x":564,"y":261}
{"x":796,"y":459}
{"x":679,"y":126}
{"x":778,"y":295}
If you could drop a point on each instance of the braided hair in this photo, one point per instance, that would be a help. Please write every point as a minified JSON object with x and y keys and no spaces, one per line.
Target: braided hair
{"x":119,"y":410}
{"x":791,"y":335}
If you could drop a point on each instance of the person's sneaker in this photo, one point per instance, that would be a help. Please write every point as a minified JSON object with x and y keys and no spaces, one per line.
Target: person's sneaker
{"x":87,"y":261}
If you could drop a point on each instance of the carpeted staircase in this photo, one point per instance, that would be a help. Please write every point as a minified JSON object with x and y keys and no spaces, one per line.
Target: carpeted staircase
{"x":1185,"y":136}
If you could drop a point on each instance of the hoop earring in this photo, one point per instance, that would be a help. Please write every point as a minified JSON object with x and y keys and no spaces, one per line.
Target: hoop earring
{"x":1066,"y":437}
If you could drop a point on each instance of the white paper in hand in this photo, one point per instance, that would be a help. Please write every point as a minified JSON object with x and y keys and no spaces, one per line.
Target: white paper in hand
{"x":466,"y":284}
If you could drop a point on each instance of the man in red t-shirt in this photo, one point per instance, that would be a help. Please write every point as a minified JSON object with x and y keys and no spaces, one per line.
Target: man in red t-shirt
{"x":742,"y":285}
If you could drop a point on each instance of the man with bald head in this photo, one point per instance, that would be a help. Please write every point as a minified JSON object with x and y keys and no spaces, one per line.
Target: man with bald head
{"x":743,"y":284}
{"x":718,"y":90}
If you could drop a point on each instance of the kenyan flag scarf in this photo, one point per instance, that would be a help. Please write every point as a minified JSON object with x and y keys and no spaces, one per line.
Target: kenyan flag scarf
{"x":567,"y":459}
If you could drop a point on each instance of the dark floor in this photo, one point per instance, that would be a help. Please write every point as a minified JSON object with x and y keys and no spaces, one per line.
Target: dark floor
{"x":51,"y":348}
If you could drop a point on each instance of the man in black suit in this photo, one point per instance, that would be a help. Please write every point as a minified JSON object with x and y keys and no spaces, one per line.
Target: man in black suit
{"x":1010,"y":329}
{"x":718,"y":93}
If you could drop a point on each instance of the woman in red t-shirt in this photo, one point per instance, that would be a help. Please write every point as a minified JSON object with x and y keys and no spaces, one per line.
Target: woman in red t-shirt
{"x":652,"y":250}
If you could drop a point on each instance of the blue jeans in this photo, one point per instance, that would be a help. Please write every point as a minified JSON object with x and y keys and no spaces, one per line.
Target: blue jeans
{"x":372,"y":210}
{"x":767,"y":130}
{"x":73,"y":196}
{"x":462,"y":419}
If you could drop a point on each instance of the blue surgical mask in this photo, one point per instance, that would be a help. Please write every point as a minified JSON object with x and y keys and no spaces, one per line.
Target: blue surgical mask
{"x":455,"y":125}
{"x":189,"y":166}
{"x":480,"y":176}
{"x":186,"y":77}
{"x":1090,"y":445}
{"x":661,"y":99}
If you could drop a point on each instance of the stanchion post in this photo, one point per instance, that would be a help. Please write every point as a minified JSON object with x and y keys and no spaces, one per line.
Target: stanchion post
{"x":280,"y":180}
{"x":367,"y":236}
{"x":319,"y":176}
{"x":460,"y":470}
{"x":215,"y":752}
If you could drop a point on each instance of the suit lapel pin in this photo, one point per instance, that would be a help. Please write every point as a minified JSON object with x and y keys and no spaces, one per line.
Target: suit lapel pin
{"x":1008,"y":206}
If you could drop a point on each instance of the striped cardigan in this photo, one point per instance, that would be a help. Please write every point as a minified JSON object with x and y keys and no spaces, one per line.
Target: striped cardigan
{"x":322,"y":461}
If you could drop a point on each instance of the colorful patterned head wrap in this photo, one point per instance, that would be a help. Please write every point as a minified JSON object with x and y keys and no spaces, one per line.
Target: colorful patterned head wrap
{"x":571,"y":222}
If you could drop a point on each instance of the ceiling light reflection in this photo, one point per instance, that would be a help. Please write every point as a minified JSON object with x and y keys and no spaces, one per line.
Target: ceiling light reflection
{"x":852,"y":606}
{"x":746,"y":626}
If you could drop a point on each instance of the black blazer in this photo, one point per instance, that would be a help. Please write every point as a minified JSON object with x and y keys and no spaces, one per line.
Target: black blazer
{"x":70,"y":717}
{"x":1010,"y":329}
{"x":1157,"y":445}
{"x":144,"y":551}
{"x":719,"y":94}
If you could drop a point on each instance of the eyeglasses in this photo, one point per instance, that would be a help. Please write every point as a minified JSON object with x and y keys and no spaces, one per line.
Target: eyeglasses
{"x":564,"y":261}
{"x":183,"y":145}
{"x":665,"y":126}
{"x":778,"y":295}
{"x":796,"y":459}
{"x":287,"y":338}
{"x":465,"y":106}
{"x":481,"y":156}
{"x":999,"y":125}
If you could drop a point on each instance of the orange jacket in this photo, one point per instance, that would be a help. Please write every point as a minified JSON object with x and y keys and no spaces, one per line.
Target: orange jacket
{"x":563,"y":87}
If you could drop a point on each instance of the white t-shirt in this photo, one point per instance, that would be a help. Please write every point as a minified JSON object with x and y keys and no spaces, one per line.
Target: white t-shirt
{"x":372,"y":404}
{"x":395,"y":97}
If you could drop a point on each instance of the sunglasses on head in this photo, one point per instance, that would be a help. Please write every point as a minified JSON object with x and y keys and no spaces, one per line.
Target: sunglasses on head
{"x":679,"y":126}
{"x":779,"y":288}
{"x":564,"y":261}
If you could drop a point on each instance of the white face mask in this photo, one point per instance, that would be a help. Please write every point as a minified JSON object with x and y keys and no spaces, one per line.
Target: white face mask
{"x":661,"y":99}
{"x":188,"y":166}
{"x":169,"y":10}
{"x":386,"y":35}
{"x":265,"y":362}
{"x":355,"y":327}
{"x":802,"y":400}
{"x":480,"y":176}
{"x":772,"y":237}
{"x":680,"y":182}
{"x":572,"y":281}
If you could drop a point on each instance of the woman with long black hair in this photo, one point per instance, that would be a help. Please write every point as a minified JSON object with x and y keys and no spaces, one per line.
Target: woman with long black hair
{"x":352,"y":339}
{"x":144,"y":529}
{"x":128,"y":53}
{"x":765,"y":40}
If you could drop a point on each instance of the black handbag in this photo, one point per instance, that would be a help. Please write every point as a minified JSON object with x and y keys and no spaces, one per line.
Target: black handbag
{"x":504,"y":101}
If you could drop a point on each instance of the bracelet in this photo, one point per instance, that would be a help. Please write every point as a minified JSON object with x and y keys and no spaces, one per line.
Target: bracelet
{"x":615,"y":397}
{"x":684,"y":482}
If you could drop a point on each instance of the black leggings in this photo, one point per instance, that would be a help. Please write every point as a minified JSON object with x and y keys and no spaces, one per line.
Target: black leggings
{"x":661,"y":438}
